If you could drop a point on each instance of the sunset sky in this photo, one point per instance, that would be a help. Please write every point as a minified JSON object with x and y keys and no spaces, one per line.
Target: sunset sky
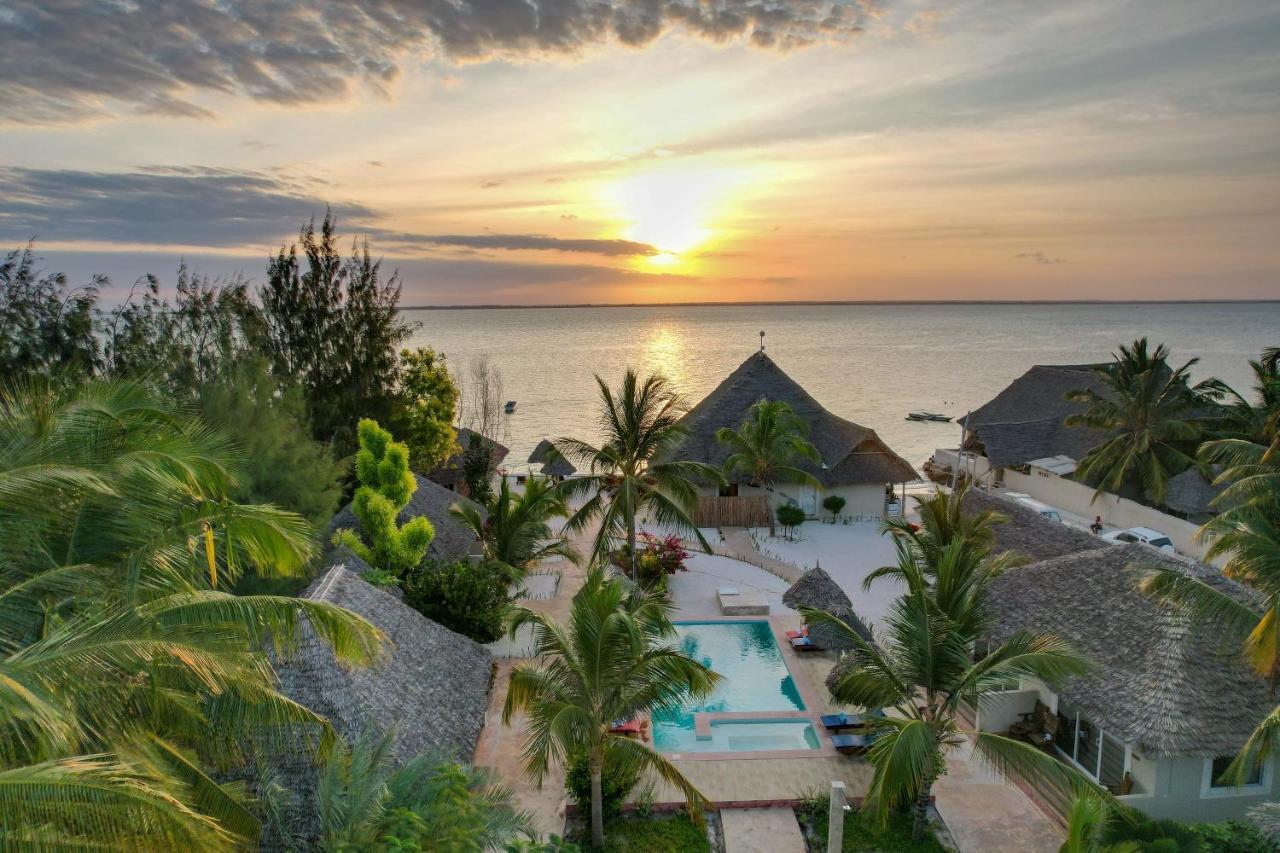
{"x":552,"y":151}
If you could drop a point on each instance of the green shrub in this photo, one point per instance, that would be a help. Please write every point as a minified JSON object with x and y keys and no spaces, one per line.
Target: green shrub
{"x":616,"y":783}
{"x":833,"y":504}
{"x":790,"y":516}
{"x":386,"y":484}
{"x":1153,"y":836}
{"x":1232,"y":837}
{"x":472,"y":600}
{"x":659,"y":834}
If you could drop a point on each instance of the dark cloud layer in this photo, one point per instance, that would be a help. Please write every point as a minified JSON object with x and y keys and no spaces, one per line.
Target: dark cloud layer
{"x":216,"y":208}
{"x":65,"y":59}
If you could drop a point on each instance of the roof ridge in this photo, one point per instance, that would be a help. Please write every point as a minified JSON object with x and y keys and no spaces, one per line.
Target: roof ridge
{"x":327,"y":581}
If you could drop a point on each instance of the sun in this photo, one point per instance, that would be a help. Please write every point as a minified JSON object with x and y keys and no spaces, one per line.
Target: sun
{"x":673,"y":208}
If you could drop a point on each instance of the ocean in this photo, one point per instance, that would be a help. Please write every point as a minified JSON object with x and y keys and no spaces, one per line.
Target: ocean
{"x":870,"y":364}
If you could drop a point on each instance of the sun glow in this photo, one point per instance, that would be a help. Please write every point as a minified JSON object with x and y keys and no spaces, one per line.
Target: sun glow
{"x":674,"y":208}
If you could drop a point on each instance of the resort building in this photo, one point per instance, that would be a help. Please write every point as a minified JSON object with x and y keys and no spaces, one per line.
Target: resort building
{"x":1165,"y":707}
{"x":450,"y":473}
{"x":1019,"y":440}
{"x":453,"y":540}
{"x":552,"y":462}
{"x":855,"y":464}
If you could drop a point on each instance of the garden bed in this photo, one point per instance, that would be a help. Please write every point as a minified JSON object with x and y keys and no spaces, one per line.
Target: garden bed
{"x":864,"y":834}
{"x":659,"y":832}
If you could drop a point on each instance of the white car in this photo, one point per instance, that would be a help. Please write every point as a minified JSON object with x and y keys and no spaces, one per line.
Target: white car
{"x":1145,"y":535}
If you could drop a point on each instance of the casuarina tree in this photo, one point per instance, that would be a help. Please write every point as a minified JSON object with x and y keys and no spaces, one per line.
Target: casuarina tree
{"x":386,"y":484}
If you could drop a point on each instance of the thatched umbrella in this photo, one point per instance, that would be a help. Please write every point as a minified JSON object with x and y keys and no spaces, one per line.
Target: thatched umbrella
{"x":552,"y":461}
{"x":817,"y":591}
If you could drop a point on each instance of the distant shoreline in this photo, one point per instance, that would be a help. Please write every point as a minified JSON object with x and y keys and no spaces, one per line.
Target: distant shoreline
{"x":872,"y":302}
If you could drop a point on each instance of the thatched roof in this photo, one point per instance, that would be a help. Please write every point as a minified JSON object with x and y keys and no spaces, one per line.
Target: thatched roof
{"x":431,"y":689}
{"x":1191,"y":494}
{"x":1025,"y":420}
{"x":850,"y":453}
{"x":449,"y":472}
{"x":1027,"y":531}
{"x":454,"y":541}
{"x":1159,"y":683}
{"x":552,"y":461}
{"x":816,"y":589}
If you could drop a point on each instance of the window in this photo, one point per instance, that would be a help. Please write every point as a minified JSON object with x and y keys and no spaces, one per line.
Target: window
{"x":1161,"y":542}
{"x":1214,"y":783}
{"x":1126,"y":537}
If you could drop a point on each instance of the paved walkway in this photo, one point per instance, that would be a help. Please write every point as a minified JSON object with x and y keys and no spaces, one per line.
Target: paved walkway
{"x":761,"y":831}
{"x":738,"y":545}
{"x":985,"y":813}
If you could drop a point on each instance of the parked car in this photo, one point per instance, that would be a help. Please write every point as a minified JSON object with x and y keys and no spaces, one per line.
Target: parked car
{"x":1145,"y":535}
{"x":1042,"y":508}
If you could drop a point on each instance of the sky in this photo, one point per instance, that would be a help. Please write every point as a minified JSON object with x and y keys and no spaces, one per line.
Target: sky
{"x":619,"y":151}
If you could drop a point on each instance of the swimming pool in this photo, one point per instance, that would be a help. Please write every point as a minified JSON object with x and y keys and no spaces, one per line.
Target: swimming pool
{"x":756,"y":679}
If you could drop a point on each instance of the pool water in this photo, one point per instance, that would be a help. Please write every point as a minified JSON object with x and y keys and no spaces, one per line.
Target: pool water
{"x":755,"y":678}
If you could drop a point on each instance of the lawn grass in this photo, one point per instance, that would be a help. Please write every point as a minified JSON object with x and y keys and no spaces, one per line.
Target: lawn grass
{"x":864,"y":834}
{"x":665,"y":833}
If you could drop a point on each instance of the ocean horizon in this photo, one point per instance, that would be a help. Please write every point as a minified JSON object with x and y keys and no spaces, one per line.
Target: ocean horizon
{"x":869,"y":362}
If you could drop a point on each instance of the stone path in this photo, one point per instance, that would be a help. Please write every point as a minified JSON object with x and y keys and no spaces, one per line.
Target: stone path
{"x":761,"y":831}
{"x":738,"y":545}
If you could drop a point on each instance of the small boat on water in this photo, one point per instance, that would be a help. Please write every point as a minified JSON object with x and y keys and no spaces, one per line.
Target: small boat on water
{"x":510,"y":407}
{"x":928,"y":416}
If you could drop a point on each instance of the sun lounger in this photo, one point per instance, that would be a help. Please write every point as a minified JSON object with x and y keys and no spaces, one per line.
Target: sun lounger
{"x":794,"y":635}
{"x":624,"y":727}
{"x":805,"y":644}
{"x":852,"y":744}
{"x":840,"y":722}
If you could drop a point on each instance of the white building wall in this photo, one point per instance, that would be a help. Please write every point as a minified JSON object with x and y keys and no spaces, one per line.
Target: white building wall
{"x":862,"y":502}
{"x":1178,"y":791}
{"x":998,"y":711}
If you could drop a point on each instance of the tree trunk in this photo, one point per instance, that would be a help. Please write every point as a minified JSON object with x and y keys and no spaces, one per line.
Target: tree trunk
{"x":631,"y":539}
{"x":597,"y":801}
{"x":920,"y":812}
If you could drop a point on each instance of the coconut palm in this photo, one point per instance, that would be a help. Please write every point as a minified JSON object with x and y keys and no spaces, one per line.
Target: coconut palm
{"x":923,"y":665}
{"x":1087,"y":823}
{"x":363,"y":800}
{"x":613,"y":660}
{"x":767,"y":445}
{"x":514,"y":527}
{"x":1250,"y":457}
{"x":127,"y":673}
{"x":629,"y":474}
{"x":1151,"y":415}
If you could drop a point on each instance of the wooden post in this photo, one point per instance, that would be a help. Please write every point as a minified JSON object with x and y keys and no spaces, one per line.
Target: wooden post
{"x":835,"y":819}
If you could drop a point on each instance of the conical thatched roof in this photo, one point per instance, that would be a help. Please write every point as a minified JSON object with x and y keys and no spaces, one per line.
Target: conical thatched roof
{"x":851,"y":454}
{"x":1025,"y":421}
{"x":1164,"y":685}
{"x":552,"y":461}
{"x":449,"y":472}
{"x":454,"y":540}
{"x":816,"y":590}
{"x":1027,"y":531}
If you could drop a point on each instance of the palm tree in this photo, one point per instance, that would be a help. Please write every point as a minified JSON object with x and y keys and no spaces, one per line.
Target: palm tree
{"x":1250,"y":455}
{"x":942,"y":521}
{"x":767,"y":445}
{"x":612,"y":661}
{"x":1150,"y":412}
{"x":629,"y":473}
{"x":1087,"y":825}
{"x":514,"y":527}
{"x":923,"y":666}
{"x":127,"y":673}
{"x":363,"y":800}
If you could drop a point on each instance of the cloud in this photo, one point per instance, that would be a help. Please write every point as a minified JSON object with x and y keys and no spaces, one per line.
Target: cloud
{"x":217,"y":208}
{"x":161,"y":56}
{"x":488,"y":185}
{"x":568,"y":217}
{"x":377,"y":164}
{"x":1039,"y":257}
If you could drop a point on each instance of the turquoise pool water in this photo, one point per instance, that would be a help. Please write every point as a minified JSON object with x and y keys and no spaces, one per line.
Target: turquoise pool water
{"x":756,"y":678}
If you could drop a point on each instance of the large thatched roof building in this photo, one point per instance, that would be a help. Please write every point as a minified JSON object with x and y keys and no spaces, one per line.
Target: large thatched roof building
{"x":552,"y":461}
{"x":449,"y":473}
{"x":454,"y":540}
{"x":818,"y":591}
{"x":1026,"y":421}
{"x":855,"y":463}
{"x":1167,"y":702}
{"x":1028,"y":532}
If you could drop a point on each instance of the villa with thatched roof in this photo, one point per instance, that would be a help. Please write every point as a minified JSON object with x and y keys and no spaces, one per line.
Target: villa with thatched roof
{"x":1167,"y":704}
{"x":453,"y":541}
{"x":855,"y":464}
{"x":428,"y":692}
{"x":552,"y":461}
{"x":449,"y":473}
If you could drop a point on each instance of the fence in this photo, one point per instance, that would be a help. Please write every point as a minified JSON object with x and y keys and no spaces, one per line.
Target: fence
{"x":741,"y":511}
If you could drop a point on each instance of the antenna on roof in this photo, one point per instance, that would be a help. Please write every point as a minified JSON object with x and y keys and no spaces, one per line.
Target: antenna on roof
{"x":762,"y":342}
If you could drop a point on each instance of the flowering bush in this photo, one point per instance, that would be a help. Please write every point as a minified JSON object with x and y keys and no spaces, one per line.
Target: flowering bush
{"x":657,"y":557}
